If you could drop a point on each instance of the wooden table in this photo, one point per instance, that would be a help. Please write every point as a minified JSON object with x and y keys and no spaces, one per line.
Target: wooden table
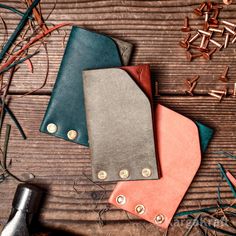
{"x":154,"y":28}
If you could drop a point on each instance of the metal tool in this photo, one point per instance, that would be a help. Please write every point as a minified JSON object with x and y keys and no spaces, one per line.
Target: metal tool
{"x":25,"y":204}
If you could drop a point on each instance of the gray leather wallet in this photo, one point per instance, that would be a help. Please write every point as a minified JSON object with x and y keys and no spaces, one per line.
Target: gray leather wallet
{"x":120,"y":126}
{"x":125,"y":50}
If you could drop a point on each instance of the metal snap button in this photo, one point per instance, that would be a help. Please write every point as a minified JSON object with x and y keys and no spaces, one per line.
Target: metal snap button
{"x":159,"y":219}
{"x":124,"y":174}
{"x":51,"y":128}
{"x":121,"y":199}
{"x":140,"y":209}
{"x":146,"y":172}
{"x":72,"y":134}
{"x":102,"y":174}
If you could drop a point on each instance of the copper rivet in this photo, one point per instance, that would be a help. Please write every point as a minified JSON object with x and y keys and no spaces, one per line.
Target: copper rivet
{"x":226,"y":40}
{"x":223,"y":77}
{"x":72,"y":134}
{"x":190,"y":91}
{"x":227,"y":2}
{"x":228,"y":23}
{"x":191,"y":56}
{"x":216,"y":96}
{"x":140,"y":209}
{"x":189,"y":82}
{"x":198,"y":11}
{"x":102,"y":174}
{"x":121,"y":199}
{"x":186,"y":27}
{"x":146,"y":172}
{"x":194,"y":37}
{"x":51,"y":128}
{"x":159,"y":219}
{"x":124,"y":174}
{"x":217,"y":44}
{"x":233,"y":40}
{"x":234,"y":91}
{"x":224,"y":92}
{"x":230,"y":30}
{"x":206,"y":33}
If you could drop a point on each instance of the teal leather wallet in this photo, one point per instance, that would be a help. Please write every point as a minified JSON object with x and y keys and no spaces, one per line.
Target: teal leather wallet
{"x":65,"y":114}
{"x":205,"y":134}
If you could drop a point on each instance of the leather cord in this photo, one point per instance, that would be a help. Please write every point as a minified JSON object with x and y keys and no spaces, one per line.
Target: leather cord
{"x":211,"y":227}
{"x":18,"y":62}
{"x":18,"y":29}
{"x":14,"y":10}
{"x":206,"y":209}
{"x":13,"y":117}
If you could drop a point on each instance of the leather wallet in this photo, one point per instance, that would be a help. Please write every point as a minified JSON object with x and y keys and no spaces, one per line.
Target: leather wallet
{"x":120,"y":124}
{"x":180,"y":142}
{"x":65,"y":114}
{"x":125,"y":50}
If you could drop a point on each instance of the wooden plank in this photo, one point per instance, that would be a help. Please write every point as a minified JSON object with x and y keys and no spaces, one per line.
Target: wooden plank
{"x":57,"y":164}
{"x":152,"y":26}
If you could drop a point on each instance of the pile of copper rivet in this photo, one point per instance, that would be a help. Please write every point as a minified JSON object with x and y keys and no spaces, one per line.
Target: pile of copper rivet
{"x":208,"y":45}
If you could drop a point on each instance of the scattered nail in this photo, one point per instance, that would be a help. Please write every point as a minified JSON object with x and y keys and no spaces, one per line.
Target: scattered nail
{"x":224,"y":77}
{"x":186,"y":27}
{"x":213,"y":25}
{"x":206,"y":16}
{"x":202,"y":47}
{"x":224,"y":22}
{"x":196,"y":36}
{"x":209,"y":34}
{"x":189,"y":82}
{"x":230,"y":30}
{"x":191,"y":56}
{"x":209,"y":6}
{"x":210,"y":13}
{"x":220,"y":46}
{"x":222,"y":92}
{"x":198,"y":11}
{"x":227,"y":2}
{"x":234,"y":91}
{"x":234,"y":39}
{"x":207,"y":26}
{"x":190,"y":91}
{"x":208,"y":55}
{"x":227,"y":35}
{"x":184,"y":43}
{"x":221,"y":31}
{"x":216,"y":96}
{"x":214,"y":18}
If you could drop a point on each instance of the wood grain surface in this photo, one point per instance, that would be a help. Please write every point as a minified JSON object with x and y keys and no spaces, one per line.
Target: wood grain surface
{"x":154,"y":28}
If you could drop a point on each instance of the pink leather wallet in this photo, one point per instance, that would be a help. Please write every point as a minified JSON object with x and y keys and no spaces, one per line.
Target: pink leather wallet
{"x":179,"y":155}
